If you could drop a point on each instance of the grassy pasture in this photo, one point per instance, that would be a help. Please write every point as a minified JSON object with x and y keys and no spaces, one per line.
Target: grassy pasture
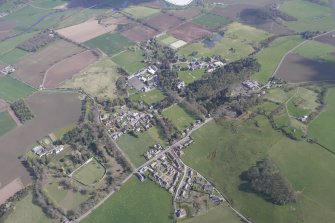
{"x":49,"y":3}
{"x":13,"y":56}
{"x":12,"y":90}
{"x":149,"y":97}
{"x":302,"y":103}
{"x":316,"y":50}
{"x":211,"y":21}
{"x":311,"y":16}
{"x":110,"y":43}
{"x":6,"y":123}
{"x":135,"y":147}
{"x":167,"y":39}
{"x":191,"y":76}
{"x":270,"y":57}
{"x":178,"y":116}
{"x":9,"y":45}
{"x":129,"y":60}
{"x":140,"y":202}
{"x":279,"y":95}
{"x":90,"y":173}
{"x":322,"y":128}
{"x":141,"y":12}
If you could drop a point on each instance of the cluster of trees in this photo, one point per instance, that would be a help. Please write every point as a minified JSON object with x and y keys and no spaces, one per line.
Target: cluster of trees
{"x":38,"y":41}
{"x":169,"y":131}
{"x":21,"y":111}
{"x":309,"y":34}
{"x":265,"y":180}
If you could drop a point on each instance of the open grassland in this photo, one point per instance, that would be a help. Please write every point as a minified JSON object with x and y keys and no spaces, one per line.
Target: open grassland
{"x":322,"y":128}
{"x":238,"y":42}
{"x":149,"y":97}
{"x":135,"y":147}
{"x":311,"y":16}
{"x":6,"y":123}
{"x":178,"y":116}
{"x":90,"y":173}
{"x":190,"y":76}
{"x":9,"y":45}
{"x":110,"y":43}
{"x":211,"y":21}
{"x":97,"y":80}
{"x":303,"y":102}
{"x":221,"y":213}
{"x":309,"y":168}
{"x":140,"y":202}
{"x":270,"y":57}
{"x":316,"y":50}
{"x":26,"y":211}
{"x":13,"y":56}
{"x":12,"y":90}
{"x":130,"y":61}
{"x":140,"y":12}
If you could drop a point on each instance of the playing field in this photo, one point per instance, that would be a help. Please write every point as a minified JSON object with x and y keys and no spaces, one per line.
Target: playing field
{"x":270,"y":57}
{"x":211,"y":21}
{"x":140,"y":202}
{"x":322,"y":128}
{"x":135,"y":147}
{"x":178,"y":116}
{"x":131,"y":61}
{"x":167,"y":39}
{"x":150,"y":97}
{"x":110,"y":43}
{"x":12,"y":90}
{"x":6,"y":123}
{"x":90,"y":173}
{"x":140,"y":12}
{"x":190,"y":76}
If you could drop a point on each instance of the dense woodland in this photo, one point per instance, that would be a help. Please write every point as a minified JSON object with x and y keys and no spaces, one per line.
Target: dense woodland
{"x":38,"y":41}
{"x":22,"y":111}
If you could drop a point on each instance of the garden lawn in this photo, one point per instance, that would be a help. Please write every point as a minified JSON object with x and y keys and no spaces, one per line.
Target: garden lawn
{"x":322,"y":128}
{"x":12,"y":90}
{"x":13,"y":56}
{"x":135,"y":147}
{"x":6,"y":123}
{"x":190,"y":76}
{"x":141,"y":12}
{"x":178,"y":116}
{"x":150,"y":97}
{"x":270,"y":57}
{"x":110,"y":43}
{"x":130,"y":61}
{"x":140,"y":202}
{"x":90,"y":173}
{"x":211,"y":21}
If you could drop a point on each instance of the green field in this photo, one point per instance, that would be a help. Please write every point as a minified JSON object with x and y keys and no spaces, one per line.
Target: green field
{"x":129,"y":60}
{"x":12,"y":90}
{"x":13,"y":56}
{"x":90,"y":173}
{"x":311,"y":16}
{"x":167,"y":39}
{"x":48,"y":3}
{"x":238,"y":42}
{"x":150,"y":97}
{"x":26,"y":211}
{"x":190,"y":76}
{"x":270,"y":57}
{"x":316,"y":50}
{"x":178,"y":116}
{"x":211,"y":21}
{"x":218,"y":214}
{"x":140,"y":202}
{"x":110,"y":43}
{"x":322,"y":128}
{"x":140,"y":12}
{"x":6,"y":123}
{"x":59,"y":133}
{"x":135,"y":147}
{"x":302,"y":103}
{"x":10,"y":44}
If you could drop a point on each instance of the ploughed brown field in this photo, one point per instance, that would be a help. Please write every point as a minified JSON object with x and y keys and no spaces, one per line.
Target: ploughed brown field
{"x":52,"y":111}
{"x":5,"y":27}
{"x":189,"y":32}
{"x":32,"y":68}
{"x":68,"y":67}
{"x":187,"y":13}
{"x":242,"y":12}
{"x":139,"y":33}
{"x":295,"y":69}
{"x":163,"y":22}
{"x":329,"y":38}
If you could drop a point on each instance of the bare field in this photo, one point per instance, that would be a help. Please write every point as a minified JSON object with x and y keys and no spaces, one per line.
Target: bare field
{"x":163,"y":21}
{"x":10,"y":189}
{"x":329,"y":38}
{"x":297,"y":69}
{"x":52,"y":111}
{"x":189,"y":32}
{"x":32,"y":68}
{"x":3,"y":105}
{"x":5,"y":27}
{"x":139,"y":33}
{"x":65,"y":69}
{"x":187,"y":13}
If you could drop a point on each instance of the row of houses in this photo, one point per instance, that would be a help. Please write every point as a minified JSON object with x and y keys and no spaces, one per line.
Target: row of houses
{"x":41,"y":151}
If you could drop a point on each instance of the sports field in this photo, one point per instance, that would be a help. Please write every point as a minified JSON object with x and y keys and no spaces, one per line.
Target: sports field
{"x":6,"y":123}
{"x":270,"y":57}
{"x":211,"y":21}
{"x":140,"y":12}
{"x":191,"y":76}
{"x":90,"y":173}
{"x":140,"y":202}
{"x":322,"y":128}
{"x":167,"y":39}
{"x":110,"y":43}
{"x":149,"y":97}
{"x":129,"y":60}
{"x":12,"y":90}
{"x":178,"y":116}
{"x":135,"y":147}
